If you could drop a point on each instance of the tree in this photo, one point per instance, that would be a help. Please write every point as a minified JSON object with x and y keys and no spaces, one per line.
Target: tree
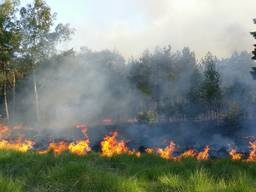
{"x":254,"y":35}
{"x":38,"y":39}
{"x":253,"y":72}
{"x":9,"y":43}
{"x":210,"y":90}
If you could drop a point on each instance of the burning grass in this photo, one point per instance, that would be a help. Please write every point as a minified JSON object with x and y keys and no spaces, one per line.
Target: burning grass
{"x":73,"y":166}
{"x":69,"y":172}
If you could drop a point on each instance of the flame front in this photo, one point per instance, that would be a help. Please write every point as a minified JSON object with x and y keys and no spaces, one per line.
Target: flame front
{"x":203,"y":155}
{"x":110,"y":146}
{"x":55,"y":147}
{"x":252,"y":155}
{"x":149,"y":151}
{"x":18,"y":145}
{"x":80,"y":147}
{"x":235,"y":155}
{"x":188,"y":153}
{"x":167,"y":152}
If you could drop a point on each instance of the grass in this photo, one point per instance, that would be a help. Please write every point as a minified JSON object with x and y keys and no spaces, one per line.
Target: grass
{"x":31,"y":172}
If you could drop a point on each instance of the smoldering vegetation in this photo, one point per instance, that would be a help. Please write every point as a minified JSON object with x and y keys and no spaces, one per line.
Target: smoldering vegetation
{"x":161,"y":96}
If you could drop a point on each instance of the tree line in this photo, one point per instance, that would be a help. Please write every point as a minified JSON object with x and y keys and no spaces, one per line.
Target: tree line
{"x":28,"y":35}
{"x":160,"y":84}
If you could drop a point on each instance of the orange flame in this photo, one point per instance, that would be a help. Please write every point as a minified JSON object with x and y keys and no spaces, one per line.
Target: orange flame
{"x":252,"y":155}
{"x":188,"y":153}
{"x":235,"y":155}
{"x":134,"y":152}
{"x":149,"y":151}
{"x":57,"y":148}
{"x":18,"y":145}
{"x":110,"y":146}
{"x":203,"y":155}
{"x":167,"y":152}
{"x":80,"y":147}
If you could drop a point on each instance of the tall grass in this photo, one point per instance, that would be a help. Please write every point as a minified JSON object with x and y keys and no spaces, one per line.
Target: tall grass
{"x":40,"y":173}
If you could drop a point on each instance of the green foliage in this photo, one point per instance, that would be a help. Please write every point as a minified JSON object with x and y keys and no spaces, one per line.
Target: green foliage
{"x":9,"y":31}
{"x":38,"y":38}
{"x":210,"y":91}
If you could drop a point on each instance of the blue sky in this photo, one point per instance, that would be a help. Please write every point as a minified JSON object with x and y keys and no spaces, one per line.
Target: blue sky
{"x":131,"y":26}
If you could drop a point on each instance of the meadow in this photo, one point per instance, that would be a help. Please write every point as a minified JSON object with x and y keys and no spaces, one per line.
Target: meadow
{"x":31,"y":172}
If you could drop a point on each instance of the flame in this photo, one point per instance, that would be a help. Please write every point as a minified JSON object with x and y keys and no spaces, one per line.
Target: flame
{"x":188,"y":153}
{"x":134,"y":152}
{"x":80,"y":147}
{"x":167,"y":152}
{"x":55,"y":147}
{"x":110,"y":146}
{"x":252,"y":155}
{"x":203,"y":155}
{"x":235,"y":155}
{"x":18,"y":145}
{"x":149,"y":151}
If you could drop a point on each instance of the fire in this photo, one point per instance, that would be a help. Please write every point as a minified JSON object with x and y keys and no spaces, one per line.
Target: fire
{"x":80,"y":147}
{"x":18,"y":145}
{"x":203,"y":155}
{"x":110,"y":146}
{"x":149,"y":151}
{"x":134,"y":152}
{"x":235,"y":155}
{"x":188,"y":153}
{"x":167,"y":152}
{"x":56,"y":147}
{"x":252,"y":155}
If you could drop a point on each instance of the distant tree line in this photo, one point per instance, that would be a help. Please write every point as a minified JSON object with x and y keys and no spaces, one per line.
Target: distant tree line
{"x":159,"y":85}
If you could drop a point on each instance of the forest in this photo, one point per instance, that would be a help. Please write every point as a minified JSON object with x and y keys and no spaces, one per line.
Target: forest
{"x":45,"y":86}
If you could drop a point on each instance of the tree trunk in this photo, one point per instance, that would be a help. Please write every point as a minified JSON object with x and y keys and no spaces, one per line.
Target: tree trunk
{"x":36,"y":97}
{"x":13,"y":95}
{"x":6,"y":109}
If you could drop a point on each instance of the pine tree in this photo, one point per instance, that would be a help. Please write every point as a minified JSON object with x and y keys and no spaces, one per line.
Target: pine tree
{"x":210,"y":90}
{"x":254,"y":35}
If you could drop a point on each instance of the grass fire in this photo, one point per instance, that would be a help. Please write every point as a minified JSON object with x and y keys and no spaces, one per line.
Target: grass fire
{"x":127,"y":96}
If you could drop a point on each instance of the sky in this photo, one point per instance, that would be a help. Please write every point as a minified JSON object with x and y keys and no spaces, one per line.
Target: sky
{"x":132,"y":26}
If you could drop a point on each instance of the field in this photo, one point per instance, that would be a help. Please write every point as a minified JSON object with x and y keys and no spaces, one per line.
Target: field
{"x":67,"y":172}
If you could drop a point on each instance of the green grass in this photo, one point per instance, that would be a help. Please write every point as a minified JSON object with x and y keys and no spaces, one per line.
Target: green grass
{"x":70,"y":173}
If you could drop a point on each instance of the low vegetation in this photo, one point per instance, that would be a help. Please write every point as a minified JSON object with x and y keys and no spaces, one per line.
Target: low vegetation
{"x":66,"y":172}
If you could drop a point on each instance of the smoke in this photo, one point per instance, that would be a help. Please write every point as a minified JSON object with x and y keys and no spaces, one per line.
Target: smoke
{"x":221,"y":26}
{"x":87,"y":87}
{"x":95,"y":86}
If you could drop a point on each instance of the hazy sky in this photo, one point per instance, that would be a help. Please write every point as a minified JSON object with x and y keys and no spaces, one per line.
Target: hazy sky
{"x":131,"y":26}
